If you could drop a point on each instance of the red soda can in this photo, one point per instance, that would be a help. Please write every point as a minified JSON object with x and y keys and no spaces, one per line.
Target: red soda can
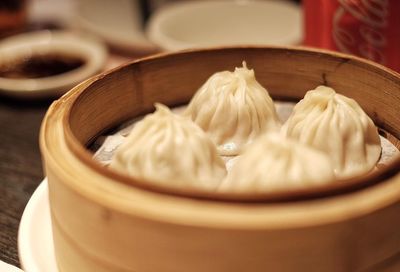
{"x":366,"y":28}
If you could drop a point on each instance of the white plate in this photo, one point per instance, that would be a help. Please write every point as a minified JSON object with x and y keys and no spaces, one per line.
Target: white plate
{"x":5,"y":267}
{"x":89,"y":49}
{"x":123,"y":31}
{"x":217,"y":23}
{"x":35,"y":238}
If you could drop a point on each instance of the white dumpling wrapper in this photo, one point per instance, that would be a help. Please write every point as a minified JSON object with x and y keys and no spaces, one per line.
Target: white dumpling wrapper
{"x":338,"y":126}
{"x":170,"y":149}
{"x":233,"y":108}
{"x":275,"y":163}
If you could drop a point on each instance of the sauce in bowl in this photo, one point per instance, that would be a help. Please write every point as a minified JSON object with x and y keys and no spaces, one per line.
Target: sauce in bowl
{"x":40,"y":65}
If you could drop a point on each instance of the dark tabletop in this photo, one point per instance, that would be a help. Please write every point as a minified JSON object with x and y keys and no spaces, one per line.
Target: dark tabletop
{"x":20,"y":166}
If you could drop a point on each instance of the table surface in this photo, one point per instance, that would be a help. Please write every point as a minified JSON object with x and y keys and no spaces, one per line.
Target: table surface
{"x":20,"y":166}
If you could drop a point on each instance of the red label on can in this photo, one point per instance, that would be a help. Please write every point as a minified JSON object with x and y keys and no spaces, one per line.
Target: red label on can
{"x":366,"y":28}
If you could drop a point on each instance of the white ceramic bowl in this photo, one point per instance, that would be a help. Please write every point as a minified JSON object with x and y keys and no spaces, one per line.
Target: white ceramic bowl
{"x":218,"y":23}
{"x":88,"y":49}
{"x":117,"y":22}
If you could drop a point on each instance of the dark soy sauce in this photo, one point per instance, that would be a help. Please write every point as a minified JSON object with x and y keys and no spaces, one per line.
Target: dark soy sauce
{"x":38,"y":66}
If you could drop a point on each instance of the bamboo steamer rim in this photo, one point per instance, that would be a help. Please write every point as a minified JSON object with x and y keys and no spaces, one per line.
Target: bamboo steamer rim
{"x":335,"y":190}
{"x":343,"y":185}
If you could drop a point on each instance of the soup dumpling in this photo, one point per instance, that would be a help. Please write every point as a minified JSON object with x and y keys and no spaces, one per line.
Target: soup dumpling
{"x":274,"y":163}
{"x":233,"y":108}
{"x":170,"y":149}
{"x":338,"y":126}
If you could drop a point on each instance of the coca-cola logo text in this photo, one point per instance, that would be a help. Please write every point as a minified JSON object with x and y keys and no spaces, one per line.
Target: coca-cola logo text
{"x":358,"y":28}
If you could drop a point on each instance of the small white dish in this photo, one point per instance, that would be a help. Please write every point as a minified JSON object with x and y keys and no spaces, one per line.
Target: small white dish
{"x":218,"y":23}
{"x":35,"y":238}
{"x":90,"y":50}
{"x":118,"y":23}
{"x":5,"y":267}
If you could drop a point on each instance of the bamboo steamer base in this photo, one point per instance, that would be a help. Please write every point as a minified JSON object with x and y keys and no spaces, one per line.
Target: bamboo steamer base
{"x":102,"y":223}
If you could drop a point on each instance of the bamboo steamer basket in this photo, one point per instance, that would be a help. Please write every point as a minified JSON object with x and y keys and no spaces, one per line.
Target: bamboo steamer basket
{"x":104,"y":221}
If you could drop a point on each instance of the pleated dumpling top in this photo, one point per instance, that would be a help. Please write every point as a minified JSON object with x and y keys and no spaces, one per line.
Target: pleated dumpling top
{"x":170,"y":149}
{"x":338,"y":126}
{"x":233,"y":109}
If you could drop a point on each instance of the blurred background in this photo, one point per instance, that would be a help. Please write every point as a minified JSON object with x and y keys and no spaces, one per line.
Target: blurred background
{"x":135,"y":28}
{"x":127,"y":29}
